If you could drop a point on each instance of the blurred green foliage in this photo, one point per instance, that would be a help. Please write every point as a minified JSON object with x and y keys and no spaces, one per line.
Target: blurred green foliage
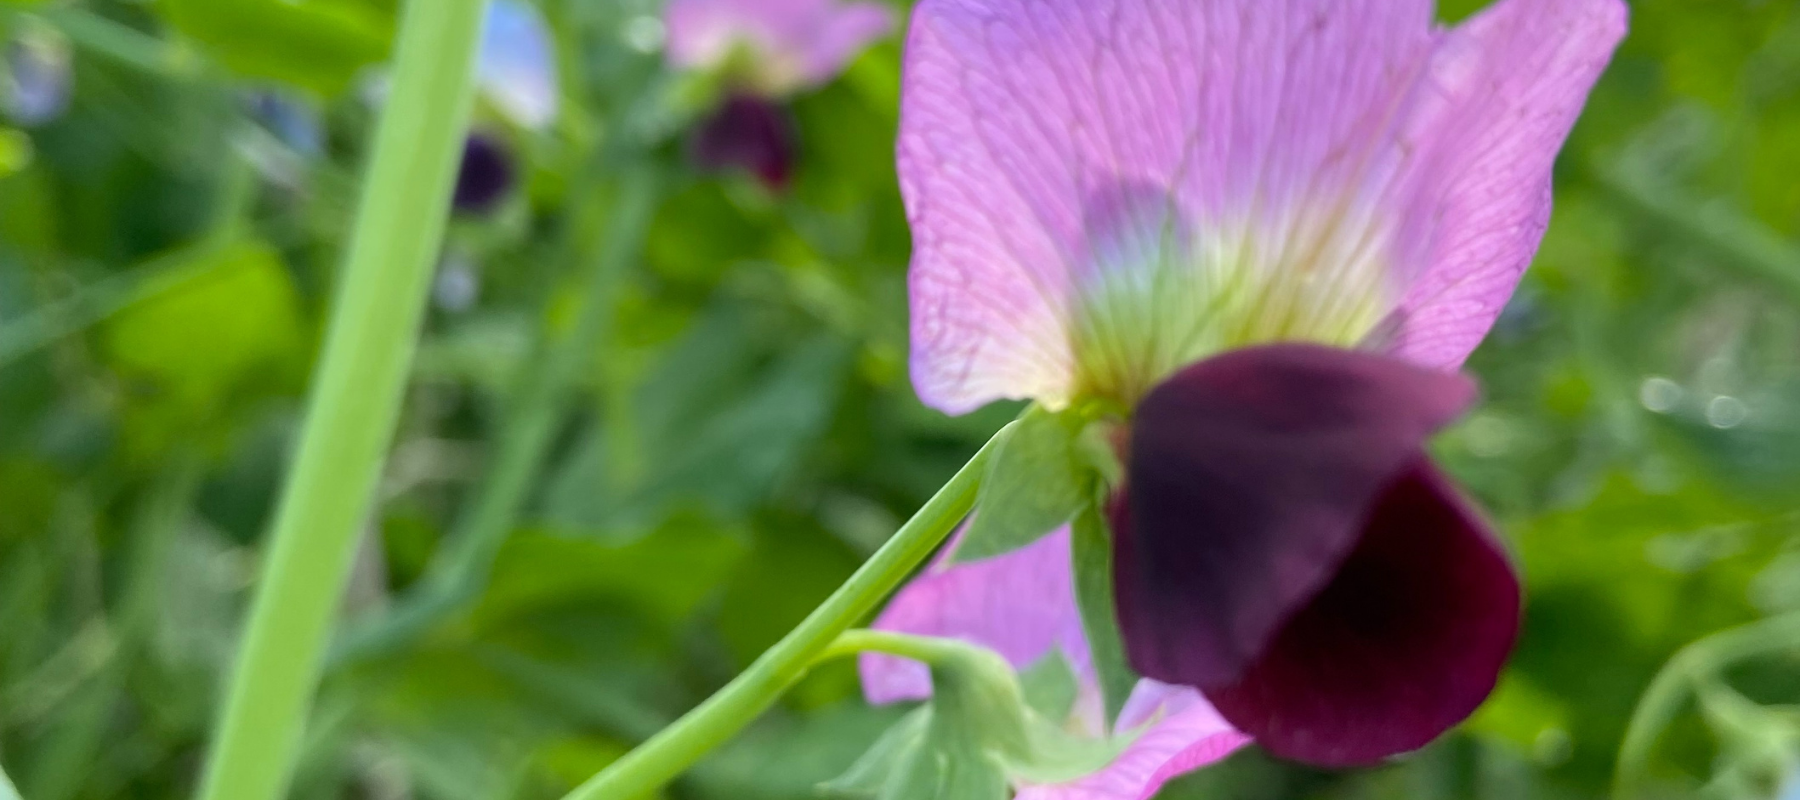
{"x":744,"y":433}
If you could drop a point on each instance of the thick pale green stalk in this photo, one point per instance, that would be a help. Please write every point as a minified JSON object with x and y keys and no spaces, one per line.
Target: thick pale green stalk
{"x":355,"y":400}
{"x":539,"y":405}
{"x":667,"y":754}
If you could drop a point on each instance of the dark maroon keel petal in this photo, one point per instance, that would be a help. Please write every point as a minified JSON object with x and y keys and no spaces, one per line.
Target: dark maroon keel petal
{"x":485,"y":176}
{"x":1251,"y":475}
{"x":1405,"y":642}
{"x":748,"y":133}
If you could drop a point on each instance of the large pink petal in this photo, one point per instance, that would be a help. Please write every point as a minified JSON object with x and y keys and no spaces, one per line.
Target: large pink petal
{"x":1185,"y":734}
{"x":1341,"y":135}
{"x":1021,"y":118}
{"x":1504,"y":89}
{"x":1021,"y":605}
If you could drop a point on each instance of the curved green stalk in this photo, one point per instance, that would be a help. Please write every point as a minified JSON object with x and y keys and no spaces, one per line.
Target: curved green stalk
{"x":923,"y":649}
{"x":1698,"y":661}
{"x":355,"y":401}
{"x":668,"y":753}
{"x":125,"y":44}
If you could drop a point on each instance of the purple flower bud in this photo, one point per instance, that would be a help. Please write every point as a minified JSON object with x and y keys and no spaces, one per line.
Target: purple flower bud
{"x":485,"y":177}
{"x":747,"y":133}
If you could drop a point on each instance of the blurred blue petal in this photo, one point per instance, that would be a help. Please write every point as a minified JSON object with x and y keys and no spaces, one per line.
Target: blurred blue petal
{"x":37,"y":80}
{"x":517,"y":67}
{"x":290,"y":119}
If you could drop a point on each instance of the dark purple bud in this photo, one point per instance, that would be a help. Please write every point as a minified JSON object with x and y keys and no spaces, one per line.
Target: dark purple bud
{"x":748,"y":133}
{"x":485,"y":177}
{"x":1285,"y":546}
{"x":1406,"y":641}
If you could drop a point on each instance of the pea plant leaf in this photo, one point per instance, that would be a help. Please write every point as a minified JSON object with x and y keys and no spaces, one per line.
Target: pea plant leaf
{"x":314,"y":45}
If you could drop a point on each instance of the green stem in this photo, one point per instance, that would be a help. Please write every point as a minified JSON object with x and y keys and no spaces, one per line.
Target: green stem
{"x":544,"y":391}
{"x":125,"y":44}
{"x":668,"y":753}
{"x":1694,"y":663}
{"x":923,"y":649}
{"x":355,"y":402}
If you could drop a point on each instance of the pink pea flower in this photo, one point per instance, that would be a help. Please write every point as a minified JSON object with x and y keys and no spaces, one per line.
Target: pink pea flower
{"x":765,"y":51}
{"x":1263,"y":234}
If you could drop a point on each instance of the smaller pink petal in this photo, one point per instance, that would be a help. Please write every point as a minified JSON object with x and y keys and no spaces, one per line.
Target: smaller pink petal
{"x":1185,"y":734}
{"x":1021,"y":604}
{"x":796,"y":43}
{"x":849,"y":30}
{"x":700,"y":33}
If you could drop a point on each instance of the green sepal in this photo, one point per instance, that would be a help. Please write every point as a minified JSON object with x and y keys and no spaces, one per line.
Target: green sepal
{"x":1091,"y":558}
{"x":1037,"y":480}
{"x":876,"y":768}
{"x":1099,"y":452}
{"x":1050,"y":686}
{"x":1058,"y":755}
{"x":977,"y":736}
